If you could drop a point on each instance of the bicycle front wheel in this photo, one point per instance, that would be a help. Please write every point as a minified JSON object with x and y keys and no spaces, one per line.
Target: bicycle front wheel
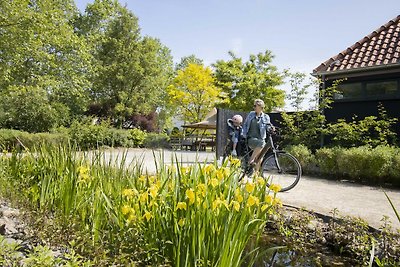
{"x":284,"y":169}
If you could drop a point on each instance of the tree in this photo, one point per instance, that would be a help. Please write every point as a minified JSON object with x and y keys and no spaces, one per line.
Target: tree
{"x":28,"y":108}
{"x":246,"y":81}
{"x":299,"y":89}
{"x":193,"y":93}
{"x":40,"y":54}
{"x":307,"y":127}
{"x":131,"y":72}
{"x":185,"y":61}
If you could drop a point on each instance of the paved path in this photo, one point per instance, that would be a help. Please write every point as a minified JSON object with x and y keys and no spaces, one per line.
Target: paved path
{"x":315,"y":194}
{"x":367,"y":202}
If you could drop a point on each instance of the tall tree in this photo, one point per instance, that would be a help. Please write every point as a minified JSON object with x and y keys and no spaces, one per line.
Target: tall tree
{"x":246,"y":81}
{"x":185,"y":61}
{"x":193,"y":93}
{"x":131,"y":71}
{"x":41,"y":60}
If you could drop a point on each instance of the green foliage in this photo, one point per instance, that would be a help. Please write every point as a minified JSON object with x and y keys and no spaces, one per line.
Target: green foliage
{"x":345,"y":240}
{"x":350,"y":236}
{"x":156,"y":140}
{"x":55,"y":63}
{"x":131,"y":71}
{"x":366,"y":162}
{"x":304,"y":155}
{"x":299,"y":88}
{"x":8,"y":252}
{"x":119,"y":138}
{"x":371,"y":130}
{"x":376,"y":165}
{"x":137,"y":136}
{"x":43,"y":65}
{"x":310,"y":127}
{"x":245,"y":81}
{"x":40,"y":256}
{"x":88,"y":135}
{"x":13,"y":139}
{"x":327,"y":160}
{"x":29,"y":109}
{"x":84,"y":135}
{"x":126,"y":212}
{"x":304,"y":127}
{"x":185,"y":61}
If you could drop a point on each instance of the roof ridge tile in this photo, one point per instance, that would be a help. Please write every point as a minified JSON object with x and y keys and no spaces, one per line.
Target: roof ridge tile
{"x":367,"y":49}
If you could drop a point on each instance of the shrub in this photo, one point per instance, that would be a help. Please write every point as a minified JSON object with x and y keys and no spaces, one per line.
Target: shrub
{"x":137,"y":136}
{"x":367,"y":163}
{"x":88,"y":135}
{"x":155,"y":140}
{"x":14,"y":139}
{"x":119,"y":138}
{"x":305,"y":157}
{"x":373,"y":131}
{"x":326,"y":159}
{"x":378,"y":165}
{"x":394,"y":170}
{"x":352,"y":162}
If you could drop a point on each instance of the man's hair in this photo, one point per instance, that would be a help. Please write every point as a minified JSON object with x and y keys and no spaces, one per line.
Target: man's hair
{"x":259,"y":102}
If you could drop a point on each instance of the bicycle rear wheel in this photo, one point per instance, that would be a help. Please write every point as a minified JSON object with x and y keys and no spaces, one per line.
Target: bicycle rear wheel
{"x":284,"y":169}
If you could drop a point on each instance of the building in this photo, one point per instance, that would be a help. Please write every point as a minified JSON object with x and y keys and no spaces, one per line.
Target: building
{"x":371,"y":72}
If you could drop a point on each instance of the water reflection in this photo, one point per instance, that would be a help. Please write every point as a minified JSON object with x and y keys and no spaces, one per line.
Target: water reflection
{"x":287,"y":257}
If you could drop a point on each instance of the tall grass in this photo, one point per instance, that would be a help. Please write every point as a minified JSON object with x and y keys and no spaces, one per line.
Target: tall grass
{"x":183,"y":216}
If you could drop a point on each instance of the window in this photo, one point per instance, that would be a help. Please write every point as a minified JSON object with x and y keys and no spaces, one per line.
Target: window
{"x":349,"y":90}
{"x":368,"y":90}
{"x":381,"y":88}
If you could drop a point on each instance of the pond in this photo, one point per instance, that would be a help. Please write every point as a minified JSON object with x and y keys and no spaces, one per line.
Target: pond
{"x":319,"y":255}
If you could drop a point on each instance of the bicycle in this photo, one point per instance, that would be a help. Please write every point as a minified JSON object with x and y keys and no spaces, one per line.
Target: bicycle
{"x":277,"y":166}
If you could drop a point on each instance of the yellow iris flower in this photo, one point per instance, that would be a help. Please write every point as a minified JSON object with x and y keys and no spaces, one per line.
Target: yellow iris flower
{"x":190,"y":195}
{"x":252,"y":200}
{"x":153,"y":191}
{"x":249,"y":187}
{"x":220,"y":174}
{"x":238,"y":196}
{"x":275,"y":187}
{"x":235,"y":162}
{"x":269,"y":199}
{"x":147,"y":216}
{"x":260,"y":181}
{"x":236,"y":205}
{"x":210,"y":168}
{"x":129,"y":193}
{"x":143,"y":197}
{"x":202,"y":189}
{"x":125,"y":209}
{"x":214,"y":182}
{"x":181,"y":206}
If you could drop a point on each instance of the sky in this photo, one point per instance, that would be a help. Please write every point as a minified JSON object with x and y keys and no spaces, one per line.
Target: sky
{"x":300,"y":33}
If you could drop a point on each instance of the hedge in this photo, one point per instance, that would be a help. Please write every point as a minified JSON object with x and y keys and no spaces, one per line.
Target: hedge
{"x":377,"y":165}
{"x":14,"y":139}
{"x":83,"y":136}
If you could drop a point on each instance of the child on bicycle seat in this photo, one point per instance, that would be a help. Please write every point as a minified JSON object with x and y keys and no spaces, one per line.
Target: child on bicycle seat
{"x":235,"y":131}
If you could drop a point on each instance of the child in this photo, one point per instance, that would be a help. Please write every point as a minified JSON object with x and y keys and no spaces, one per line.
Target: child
{"x":235,"y":131}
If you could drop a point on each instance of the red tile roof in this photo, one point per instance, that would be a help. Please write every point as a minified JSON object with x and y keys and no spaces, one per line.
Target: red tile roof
{"x":381,"y":47}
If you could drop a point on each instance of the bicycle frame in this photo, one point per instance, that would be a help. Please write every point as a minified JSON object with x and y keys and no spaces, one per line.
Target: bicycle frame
{"x":269,"y":146}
